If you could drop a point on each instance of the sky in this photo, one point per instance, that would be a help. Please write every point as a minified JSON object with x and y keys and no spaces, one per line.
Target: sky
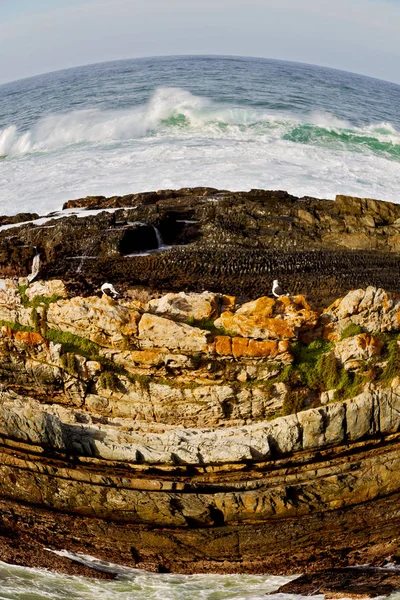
{"x":37,"y":36}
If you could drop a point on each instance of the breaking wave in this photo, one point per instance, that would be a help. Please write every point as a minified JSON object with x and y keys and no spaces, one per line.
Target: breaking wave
{"x":19,"y":582}
{"x":174,"y":113}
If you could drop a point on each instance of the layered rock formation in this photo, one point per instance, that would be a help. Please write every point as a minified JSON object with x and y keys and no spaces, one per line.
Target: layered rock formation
{"x":230,"y":242}
{"x":188,"y":432}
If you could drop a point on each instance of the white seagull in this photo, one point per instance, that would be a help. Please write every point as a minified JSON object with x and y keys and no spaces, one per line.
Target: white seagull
{"x":277,"y":291}
{"x":109,"y":290}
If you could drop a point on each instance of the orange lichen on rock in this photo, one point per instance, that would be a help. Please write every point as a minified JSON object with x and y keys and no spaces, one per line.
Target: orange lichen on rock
{"x":223,"y":345}
{"x":30,"y":338}
{"x":6,"y":331}
{"x":263,"y":349}
{"x":239,"y":346}
{"x":147,"y":357}
{"x":267,"y":318}
{"x":262,"y":307}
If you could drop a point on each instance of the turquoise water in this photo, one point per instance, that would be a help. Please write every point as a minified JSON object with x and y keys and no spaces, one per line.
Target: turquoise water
{"x":232,"y":123}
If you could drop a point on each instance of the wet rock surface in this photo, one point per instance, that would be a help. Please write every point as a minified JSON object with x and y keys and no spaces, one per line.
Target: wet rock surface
{"x":230,"y":242}
{"x":351,"y":582}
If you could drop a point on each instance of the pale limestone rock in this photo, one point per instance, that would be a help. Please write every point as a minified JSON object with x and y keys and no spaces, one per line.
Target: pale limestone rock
{"x":242,"y":376}
{"x":350,"y":303}
{"x":53,"y":287}
{"x":285,"y":435}
{"x":313,"y":427}
{"x":10,"y":300}
{"x":24,"y":316}
{"x":322,"y":426}
{"x":373,"y":309}
{"x":178,"y":361}
{"x":327,"y":396}
{"x":183,"y":306}
{"x":55,"y":352}
{"x":93,"y":368}
{"x":161,"y":332}
{"x":334,"y":430}
{"x":389,"y":403}
{"x":26,"y":419}
{"x":361,"y":416}
{"x":358,"y":347}
{"x":96,"y":404}
{"x":9,"y":293}
{"x":101,"y":320}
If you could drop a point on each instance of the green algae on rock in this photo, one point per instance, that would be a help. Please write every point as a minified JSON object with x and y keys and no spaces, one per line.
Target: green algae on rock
{"x":201,"y":451}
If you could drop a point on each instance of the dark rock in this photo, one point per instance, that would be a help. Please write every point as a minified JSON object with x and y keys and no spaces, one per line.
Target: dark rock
{"x":18,"y":218}
{"x":350,"y":582}
{"x":233,"y":242}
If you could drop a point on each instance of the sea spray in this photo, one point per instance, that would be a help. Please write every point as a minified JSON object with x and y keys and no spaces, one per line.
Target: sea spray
{"x":159,"y":239}
{"x":193,"y":121}
{"x":17,"y":582}
{"x":35,"y":267}
{"x":179,"y":113}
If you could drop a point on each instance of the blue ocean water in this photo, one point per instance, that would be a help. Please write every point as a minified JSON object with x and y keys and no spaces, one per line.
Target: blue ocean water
{"x":233,"y":123}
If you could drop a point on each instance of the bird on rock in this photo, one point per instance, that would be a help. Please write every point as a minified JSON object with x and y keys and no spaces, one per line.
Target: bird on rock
{"x":109,"y":290}
{"x":277,"y":291}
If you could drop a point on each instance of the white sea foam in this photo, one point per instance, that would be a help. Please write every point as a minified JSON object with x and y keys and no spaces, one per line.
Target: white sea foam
{"x":170,"y":112}
{"x":20,"y":582}
{"x":180,"y":139}
{"x":69,"y":212}
{"x":328,"y":121}
{"x":92,"y":126}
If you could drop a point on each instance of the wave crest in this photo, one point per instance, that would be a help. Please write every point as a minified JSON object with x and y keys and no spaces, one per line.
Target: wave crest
{"x":177,"y":112}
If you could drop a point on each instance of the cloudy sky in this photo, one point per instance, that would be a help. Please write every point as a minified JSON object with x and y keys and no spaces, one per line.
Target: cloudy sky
{"x":37,"y":36}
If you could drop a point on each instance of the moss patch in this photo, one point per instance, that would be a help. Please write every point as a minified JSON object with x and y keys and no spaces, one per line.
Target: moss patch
{"x":69,"y":363}
{"x":351,"y":330}
{"x":36,"y":301}
{"x":316,"y":364}
{"x":74,"y":343}
{"x":16,"y":326}
{"x":109,"y":381}
{"x":392,"y":368}
{"x":22,"y":292}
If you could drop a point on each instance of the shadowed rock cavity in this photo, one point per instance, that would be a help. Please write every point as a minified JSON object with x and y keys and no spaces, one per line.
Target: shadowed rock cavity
{"x":231,"y":242}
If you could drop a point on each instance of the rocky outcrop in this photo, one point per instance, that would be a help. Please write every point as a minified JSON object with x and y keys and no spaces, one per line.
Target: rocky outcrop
{"x":374,"y":310}
{"x":199,"y":434}
{"x":157,"y":331}
{"x":184,"y":306}
{"x":234,"y":243}
{"x":352,"y":350}
{"x":267,"y":318}
{"x":100,"y":320}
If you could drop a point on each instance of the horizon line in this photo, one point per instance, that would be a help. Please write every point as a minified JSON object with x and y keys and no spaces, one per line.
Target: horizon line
{"x":171,"y":56}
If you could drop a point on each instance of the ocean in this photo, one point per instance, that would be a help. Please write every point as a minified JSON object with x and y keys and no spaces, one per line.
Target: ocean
{"x":226,"y":122}
{"x":19,"y":583}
